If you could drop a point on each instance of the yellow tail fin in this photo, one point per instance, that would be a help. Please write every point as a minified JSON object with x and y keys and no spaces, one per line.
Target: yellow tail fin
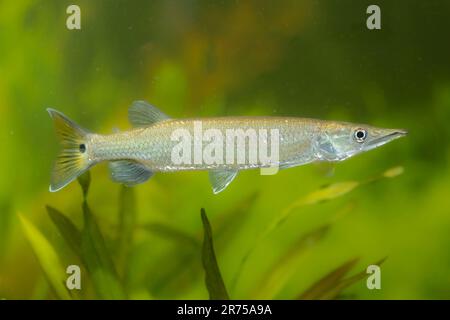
{"x":72,"y":161}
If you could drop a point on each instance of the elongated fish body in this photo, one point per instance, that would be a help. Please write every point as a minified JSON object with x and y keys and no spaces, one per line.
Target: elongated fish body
{"x":154,"y":145}
{"x":223,"y":146}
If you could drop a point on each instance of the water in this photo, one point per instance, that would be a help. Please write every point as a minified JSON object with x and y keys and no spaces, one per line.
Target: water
{"x":211,"y":58}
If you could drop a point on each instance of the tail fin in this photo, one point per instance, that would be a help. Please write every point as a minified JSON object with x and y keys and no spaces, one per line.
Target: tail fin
{"x":72,"y":161}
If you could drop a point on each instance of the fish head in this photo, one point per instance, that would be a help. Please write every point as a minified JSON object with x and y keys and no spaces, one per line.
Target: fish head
{"x":338,"y":141}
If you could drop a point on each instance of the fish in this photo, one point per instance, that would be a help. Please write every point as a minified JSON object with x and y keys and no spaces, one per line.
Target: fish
{"x":159,"y":143}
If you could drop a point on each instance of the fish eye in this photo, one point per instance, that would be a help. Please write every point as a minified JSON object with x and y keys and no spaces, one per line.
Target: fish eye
{"x":82,"y":148}
{"x":360,"y":135}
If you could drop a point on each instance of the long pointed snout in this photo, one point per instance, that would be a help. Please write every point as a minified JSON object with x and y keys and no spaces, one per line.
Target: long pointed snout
{"x":385,"y":136}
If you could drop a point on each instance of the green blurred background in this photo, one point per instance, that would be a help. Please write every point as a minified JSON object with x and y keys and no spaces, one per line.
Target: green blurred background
{"x":305,"y":58}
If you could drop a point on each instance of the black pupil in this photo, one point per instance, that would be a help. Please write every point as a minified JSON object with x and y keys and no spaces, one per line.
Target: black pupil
{"x":360,"y":134}
{"x":82,"y":148}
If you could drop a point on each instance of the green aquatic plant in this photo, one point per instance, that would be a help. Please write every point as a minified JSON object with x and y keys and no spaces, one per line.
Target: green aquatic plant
{"x":182,"y":259}
{"x":213,"y":278}
{"x":327,"y":193}
{"x":99,"y":262}
{"x":333,"y":283}
{"x":90,"y":247}
{"x":70,"y":233}
{"x":284,"y":268}
{"x":47,"y":257}
{"x":106,"y":260}
{"x":321,"y":195}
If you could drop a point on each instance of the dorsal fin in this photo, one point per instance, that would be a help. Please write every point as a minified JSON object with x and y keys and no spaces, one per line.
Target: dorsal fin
{"x":143,"y":114}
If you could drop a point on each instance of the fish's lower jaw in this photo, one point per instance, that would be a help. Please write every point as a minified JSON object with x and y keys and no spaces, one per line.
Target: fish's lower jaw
{"x":334,"y":158}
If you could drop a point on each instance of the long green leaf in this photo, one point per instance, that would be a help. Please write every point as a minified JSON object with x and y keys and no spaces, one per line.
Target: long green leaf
{"x":47,"y":257}
{"x":171,"y":233}
{"x":321,"y":288}
{"x":323,"y":194}
{"x":127,"y":223}
{"x":285,"y":267}
{"x":347,"y":282}
{"x":67,"y":229}
{"x":327,"y":193}
{"x":98,"y":260}
{"x":226,"y":224}
{"x":213,"y":278}
{"x":85,"y":181}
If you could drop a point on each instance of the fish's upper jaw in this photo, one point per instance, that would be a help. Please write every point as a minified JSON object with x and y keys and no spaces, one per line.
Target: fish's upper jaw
{"x":386,"y":136}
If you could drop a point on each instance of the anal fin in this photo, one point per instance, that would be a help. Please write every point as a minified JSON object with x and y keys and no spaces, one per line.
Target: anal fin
{"x":220,"y":179}
{"x":129,"y":172}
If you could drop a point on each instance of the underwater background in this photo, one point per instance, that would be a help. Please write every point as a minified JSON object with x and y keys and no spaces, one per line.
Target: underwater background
{"x":307,"y":232}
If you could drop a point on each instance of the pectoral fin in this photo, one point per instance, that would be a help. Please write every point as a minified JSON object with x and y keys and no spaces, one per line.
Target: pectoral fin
{"x":128,"y":172}
{"x":220,"y":179}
